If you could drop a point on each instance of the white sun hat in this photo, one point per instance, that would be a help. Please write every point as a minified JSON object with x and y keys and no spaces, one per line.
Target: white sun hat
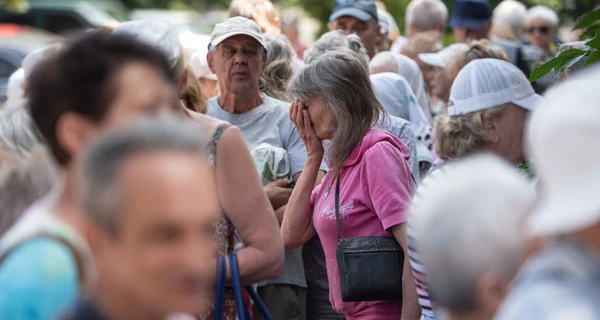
{"x":486,"y":83}
{"x":199,"y":64}
{"x":157,"y":34}
{"x":562,"y":139}
{"x":236,"y":26}
{"x":442,"y":57}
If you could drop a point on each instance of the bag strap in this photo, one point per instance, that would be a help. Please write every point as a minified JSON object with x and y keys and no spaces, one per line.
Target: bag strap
{"x":337,"y":208}
{"x":221,"y":279}
{"x":76,"y":256}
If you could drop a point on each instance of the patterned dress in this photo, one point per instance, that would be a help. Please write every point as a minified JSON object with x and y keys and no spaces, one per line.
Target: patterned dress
{"x":226,"y":240}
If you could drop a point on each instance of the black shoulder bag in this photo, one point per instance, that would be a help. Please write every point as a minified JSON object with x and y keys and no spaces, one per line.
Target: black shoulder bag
{"x":370,"y":267}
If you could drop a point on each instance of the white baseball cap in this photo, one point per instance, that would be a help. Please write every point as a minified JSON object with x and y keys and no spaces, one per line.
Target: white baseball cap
{"x":236,"y":26}
{"x":33,"y":59}
{"x":157,"y":34}
{"x":199,"y":64}
{"x":442,"y":57}
{"x":562,"y":139}
{"x":486,"y":83}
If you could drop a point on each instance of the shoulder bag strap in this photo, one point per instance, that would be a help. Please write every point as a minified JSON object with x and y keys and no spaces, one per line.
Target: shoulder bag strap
{"x":76,"y":256}
{"x":337,"y":208}
{"x":221,"y":279}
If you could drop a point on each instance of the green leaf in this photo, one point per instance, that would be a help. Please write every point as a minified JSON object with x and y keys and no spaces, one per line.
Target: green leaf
{"x":560,"y":62}
{"x":588,"y":19}
{"x":595,"y":42}
{"x":589,"y":33}
{"x":593,"y":58}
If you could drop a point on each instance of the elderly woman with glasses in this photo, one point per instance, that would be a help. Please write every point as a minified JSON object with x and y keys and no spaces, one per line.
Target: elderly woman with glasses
{"x":542,"y":25}
{"x":335,"y":101}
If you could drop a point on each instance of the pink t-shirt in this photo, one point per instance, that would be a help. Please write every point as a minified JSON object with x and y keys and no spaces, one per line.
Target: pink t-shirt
{"x":375,"y":195}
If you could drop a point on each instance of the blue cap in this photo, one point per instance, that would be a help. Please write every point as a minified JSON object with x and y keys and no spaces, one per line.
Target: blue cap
{"x":471,"y":14}
{"x":363,"y":10}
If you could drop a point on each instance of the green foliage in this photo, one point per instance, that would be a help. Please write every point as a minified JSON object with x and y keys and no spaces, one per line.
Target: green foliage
{"x":590,"y":22}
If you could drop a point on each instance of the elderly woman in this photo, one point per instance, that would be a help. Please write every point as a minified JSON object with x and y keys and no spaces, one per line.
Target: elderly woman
{"x":279,"y":68}
{"x":485,"y":114}
{"x":368,"y":173}
{"x":487,"y":195}
{"x":247,"y":212}
{"x":542,"y":25}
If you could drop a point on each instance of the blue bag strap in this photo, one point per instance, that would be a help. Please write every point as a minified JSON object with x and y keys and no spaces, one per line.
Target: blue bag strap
{"x":220,"y":295}
{"x":237,"y":291}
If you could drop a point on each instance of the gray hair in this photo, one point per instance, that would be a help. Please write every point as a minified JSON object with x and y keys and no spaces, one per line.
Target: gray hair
{"x":467,"y":220}
{"x":25,"y":182}
{"x":279,"y":68}
{"x":98,"y":171}
{"x":383,"y":62}
{"x":424,"y":14}
{"x":544,"y":13}
{"x":578,"y":66}
{"x":340,"y":80}
{"x":18,"y":133}
{"x":334,"y":40}
{"x":512,"y":13}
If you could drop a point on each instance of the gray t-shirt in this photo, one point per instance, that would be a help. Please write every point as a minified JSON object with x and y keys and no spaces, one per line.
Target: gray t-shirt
{"x":270,"y":123}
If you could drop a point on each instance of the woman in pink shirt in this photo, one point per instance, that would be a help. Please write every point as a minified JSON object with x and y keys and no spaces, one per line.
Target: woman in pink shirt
{"x":335,"y":101}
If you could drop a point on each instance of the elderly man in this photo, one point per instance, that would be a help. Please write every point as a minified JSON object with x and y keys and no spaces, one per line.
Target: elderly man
{"x":141,"y":236}
{"x":471,"y":20}
{"x":422,"y":16}
{"x":513,"y":14}
{"x":459,"y":218}
{"x":563,"y":280}
{"x":237,"y":55}
{"x":360,"y":17}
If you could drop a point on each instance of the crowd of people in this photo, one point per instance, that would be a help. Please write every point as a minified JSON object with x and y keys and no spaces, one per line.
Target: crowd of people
{"x":372,"y":176}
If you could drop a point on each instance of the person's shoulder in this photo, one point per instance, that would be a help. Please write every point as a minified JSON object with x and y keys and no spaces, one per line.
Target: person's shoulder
{"x":276,"y":105}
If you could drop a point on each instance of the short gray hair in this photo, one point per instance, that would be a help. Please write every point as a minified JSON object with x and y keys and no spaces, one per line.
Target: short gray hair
{"x":544,"y":13}
{"x":334,"y":40}
{"x":512,"y":13}
{"x":23,"y":183}
{"x":18,"y":133}
{"x":98,"y":171}
{"x":467,"y":219}
{"x":279,"y":68}
{"x":424,"y":14}
{"x":384,"y":62}
{"x":340,"y":80}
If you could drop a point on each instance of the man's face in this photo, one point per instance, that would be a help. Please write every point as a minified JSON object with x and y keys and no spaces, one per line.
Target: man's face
{"x":465,"y":35}
{"x":238,"y":64}
{"x":162,"y":258}
{"x":368,"y":31}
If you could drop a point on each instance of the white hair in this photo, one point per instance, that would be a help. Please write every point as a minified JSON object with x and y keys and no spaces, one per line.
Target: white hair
{"x":512,"y":13}
{"x":383,"y":62}
{"x":332,"y":41}
{"x":18,"y":133}
{"x":424,"y":14}
{"x":543,"y":12}
{"x":466,"y":218}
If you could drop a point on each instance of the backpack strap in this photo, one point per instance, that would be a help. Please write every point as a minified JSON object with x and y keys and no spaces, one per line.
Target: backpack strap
{"x":76,"y":256}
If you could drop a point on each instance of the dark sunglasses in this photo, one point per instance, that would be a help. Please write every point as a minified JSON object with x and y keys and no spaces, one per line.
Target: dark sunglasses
{"x":542,"y":30}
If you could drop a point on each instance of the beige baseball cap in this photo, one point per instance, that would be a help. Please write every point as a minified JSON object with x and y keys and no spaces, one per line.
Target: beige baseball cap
{"x":236,"y":26}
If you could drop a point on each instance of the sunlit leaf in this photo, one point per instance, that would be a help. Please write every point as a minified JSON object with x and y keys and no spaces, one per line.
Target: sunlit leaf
{"x":565,"y":58}
{"x":593,"y":58}
{"x":588,"y":19}
{"x":595,"y":42}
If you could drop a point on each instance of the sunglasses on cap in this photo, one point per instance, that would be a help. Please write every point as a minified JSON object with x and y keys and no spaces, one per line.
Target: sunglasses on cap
{"x":542,"y":30}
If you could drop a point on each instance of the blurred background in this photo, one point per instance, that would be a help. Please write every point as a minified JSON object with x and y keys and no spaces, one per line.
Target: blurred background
{"x":26,"y":25}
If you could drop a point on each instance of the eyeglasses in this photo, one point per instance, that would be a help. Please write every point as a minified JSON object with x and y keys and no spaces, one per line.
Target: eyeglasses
{"x":542,"y":30}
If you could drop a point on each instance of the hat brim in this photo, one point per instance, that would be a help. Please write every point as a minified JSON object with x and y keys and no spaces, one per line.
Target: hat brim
{"x":558,"y":215}
{"x":468,"y":23}
{"x":352,"y":12}
{"x":216,"y":41}
{"x":529,"y":103}
{"x":432,"y":59}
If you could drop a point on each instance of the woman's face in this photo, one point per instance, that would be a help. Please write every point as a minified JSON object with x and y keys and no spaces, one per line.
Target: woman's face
{"x":540,"y":33}
{"x":322,"y":119}
{"x":509,"y":131}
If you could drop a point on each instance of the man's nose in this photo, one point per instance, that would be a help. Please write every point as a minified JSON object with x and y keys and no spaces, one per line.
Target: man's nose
{"x":240,"y":58}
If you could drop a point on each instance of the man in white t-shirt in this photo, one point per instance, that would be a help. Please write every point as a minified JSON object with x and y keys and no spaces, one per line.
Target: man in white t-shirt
{"x":238,"y":55}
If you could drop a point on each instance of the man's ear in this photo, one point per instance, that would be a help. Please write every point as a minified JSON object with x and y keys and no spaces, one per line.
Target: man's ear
{"x":277,"y":23}
{"x":490,"y":291}
{"x":73,"y":133}
{"x":489,"y":125}
{"x":210,"y":58}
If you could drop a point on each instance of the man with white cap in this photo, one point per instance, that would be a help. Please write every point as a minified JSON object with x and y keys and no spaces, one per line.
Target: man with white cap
{"x":360,"y":17}
{"x":563,"y":280}
{"x":237,"y":55}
